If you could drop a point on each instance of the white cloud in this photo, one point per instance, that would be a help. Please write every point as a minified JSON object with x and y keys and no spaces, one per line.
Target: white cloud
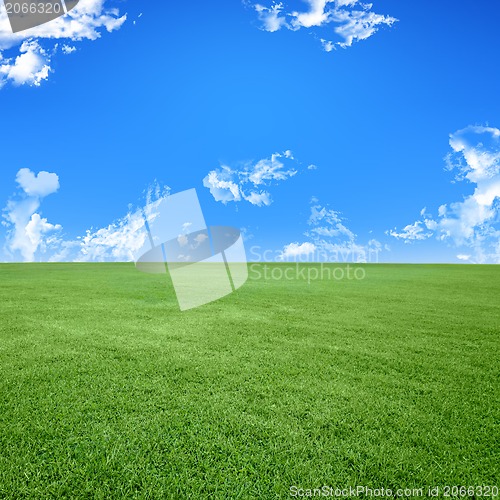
{"x":471,"y":223}
{"x":317,"y":15}
{"x":31,"y":66}
{"x":227,"y":184}
{"x":117,"y":242}
{"x":270,"y":16}
{"x":200,"y":238}
{"x":35,"y":231}
{"x":25,"y":57}
{"x":68,"y":49}
{"x":40,"y":185}
{"x":294,"y":250}
{"x":270,"y":170}
{"x":419,"y":230}
{"x":352,"y":20}
{"x":328,"y":45}
{"x":259,"y":199}
{"x":358,"y":25}
{"x":26,"y":229}
{"x":222,"y":185}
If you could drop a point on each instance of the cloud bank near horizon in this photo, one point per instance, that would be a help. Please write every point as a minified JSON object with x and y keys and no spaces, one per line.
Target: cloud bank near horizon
{"x":330,"y":240}
{"x":30,"y":237}
{"x":473,"y":224}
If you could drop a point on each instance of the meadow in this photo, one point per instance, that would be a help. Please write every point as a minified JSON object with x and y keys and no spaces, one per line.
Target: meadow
{"x":108,"y":391}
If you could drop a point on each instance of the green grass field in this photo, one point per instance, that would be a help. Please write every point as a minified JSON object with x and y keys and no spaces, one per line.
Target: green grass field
{"x":107,"y":390}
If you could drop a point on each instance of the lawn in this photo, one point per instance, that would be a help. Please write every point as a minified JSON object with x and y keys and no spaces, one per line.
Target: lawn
{"x":107,"y":390}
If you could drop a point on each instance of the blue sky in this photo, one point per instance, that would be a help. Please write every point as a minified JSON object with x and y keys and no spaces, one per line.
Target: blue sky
{"x":177,"y":91}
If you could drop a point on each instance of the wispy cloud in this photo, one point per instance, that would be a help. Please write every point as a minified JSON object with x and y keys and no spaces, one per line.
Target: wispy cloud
{"x":348,"y":20}
{"x":25,"y":57}
{"x":329,"y":239}
{"x":474,"y":222}
{"x":252,"y":181}
{"x":120,"y":240}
